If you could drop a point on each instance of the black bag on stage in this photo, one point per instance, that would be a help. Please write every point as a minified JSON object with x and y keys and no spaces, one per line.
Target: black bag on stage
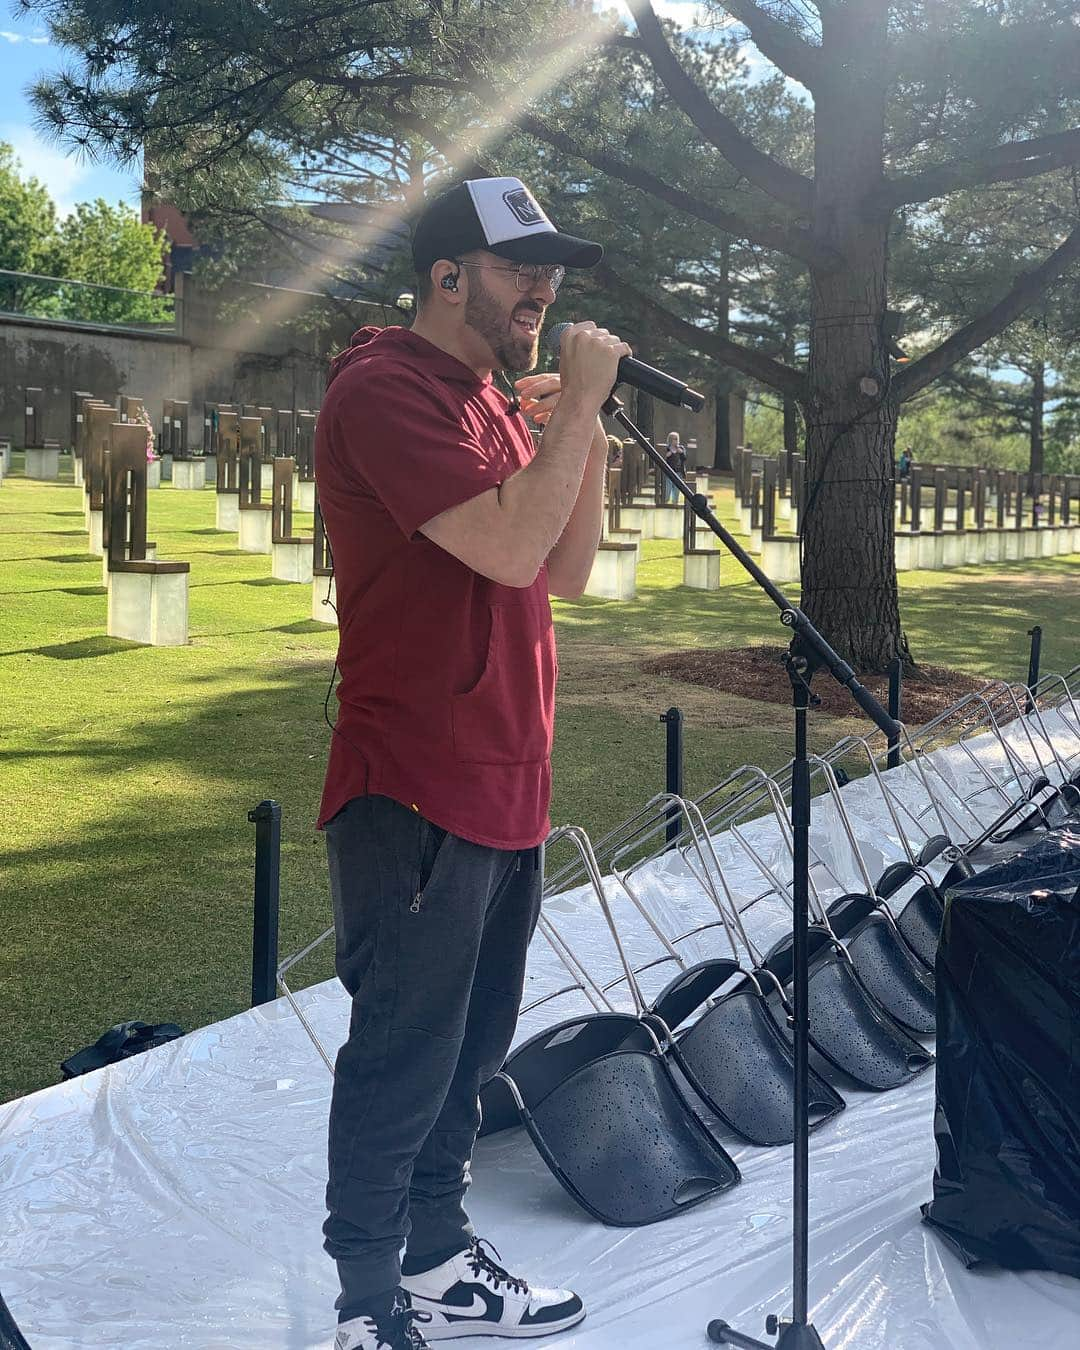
{"x":119,"y":1042}
{"x":1007,"y":1121}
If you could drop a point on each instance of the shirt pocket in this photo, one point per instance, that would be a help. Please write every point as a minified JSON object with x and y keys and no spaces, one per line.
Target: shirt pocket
{"x":506,"y":717}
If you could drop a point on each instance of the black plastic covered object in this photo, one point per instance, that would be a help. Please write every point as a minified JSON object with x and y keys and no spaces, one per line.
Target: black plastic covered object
{"x":1007,"y":1123}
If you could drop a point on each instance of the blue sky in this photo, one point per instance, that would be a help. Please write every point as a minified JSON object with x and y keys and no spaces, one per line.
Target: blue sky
{"x":26,"y":54}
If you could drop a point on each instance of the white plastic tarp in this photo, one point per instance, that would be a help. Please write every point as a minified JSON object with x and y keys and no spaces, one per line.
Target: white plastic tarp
{"x":176,"y":1200}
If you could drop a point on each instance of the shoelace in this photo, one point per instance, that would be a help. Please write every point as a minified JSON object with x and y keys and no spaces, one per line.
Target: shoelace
{"x":403,"y":1318}
{"x":413,"y":1335}
{"x":480,"y":1262}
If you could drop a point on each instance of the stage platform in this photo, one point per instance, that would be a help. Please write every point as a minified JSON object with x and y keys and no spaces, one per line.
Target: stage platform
{"x":175,"y":1201}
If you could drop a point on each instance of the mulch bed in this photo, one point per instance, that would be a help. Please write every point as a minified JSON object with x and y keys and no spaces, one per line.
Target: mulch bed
{"x":757,"y":673}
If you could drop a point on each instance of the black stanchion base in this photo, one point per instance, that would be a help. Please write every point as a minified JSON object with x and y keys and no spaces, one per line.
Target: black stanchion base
{"x":792,"y":1337}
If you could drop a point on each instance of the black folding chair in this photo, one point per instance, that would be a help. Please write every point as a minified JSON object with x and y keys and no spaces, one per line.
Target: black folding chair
{"x":734,"y":1053}
{"x":848,"y":1027}
{"x":601,"y":1103}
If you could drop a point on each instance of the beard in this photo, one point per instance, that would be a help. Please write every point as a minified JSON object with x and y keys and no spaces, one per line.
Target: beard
{"x":490,"y":319}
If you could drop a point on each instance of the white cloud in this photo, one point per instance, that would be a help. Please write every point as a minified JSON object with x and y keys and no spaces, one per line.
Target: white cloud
{"x":59,"y":171}
{"x":35,"y":41}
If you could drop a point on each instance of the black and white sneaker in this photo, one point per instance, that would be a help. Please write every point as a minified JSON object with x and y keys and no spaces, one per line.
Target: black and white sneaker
{"x":389,"y":1328}
{"x":470,"y":1295}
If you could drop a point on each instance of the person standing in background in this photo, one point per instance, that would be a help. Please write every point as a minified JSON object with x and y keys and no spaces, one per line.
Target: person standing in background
{"x":675,"y":455}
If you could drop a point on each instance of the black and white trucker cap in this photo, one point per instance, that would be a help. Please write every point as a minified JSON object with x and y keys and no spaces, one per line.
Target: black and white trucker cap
{"x":498,"y":214}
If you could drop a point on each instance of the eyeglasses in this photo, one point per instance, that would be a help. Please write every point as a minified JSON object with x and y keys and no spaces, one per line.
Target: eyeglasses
{"x":528,"y":274}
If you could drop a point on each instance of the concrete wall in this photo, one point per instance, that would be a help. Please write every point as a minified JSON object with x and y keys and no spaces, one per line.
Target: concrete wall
{"x":228,"y":358}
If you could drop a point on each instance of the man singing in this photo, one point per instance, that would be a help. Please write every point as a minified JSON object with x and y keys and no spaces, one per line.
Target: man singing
{"x":449,"y":530}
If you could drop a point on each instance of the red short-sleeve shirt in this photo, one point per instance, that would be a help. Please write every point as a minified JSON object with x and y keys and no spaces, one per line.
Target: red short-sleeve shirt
{"x":446,"y":699}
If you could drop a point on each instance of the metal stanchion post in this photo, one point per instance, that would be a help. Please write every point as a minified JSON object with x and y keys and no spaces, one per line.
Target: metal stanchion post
{"x":266,"y":817}
{"x":673,"y":720}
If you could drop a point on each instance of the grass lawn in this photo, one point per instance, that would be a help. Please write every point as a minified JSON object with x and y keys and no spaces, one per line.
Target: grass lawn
{"x":128,"y":772}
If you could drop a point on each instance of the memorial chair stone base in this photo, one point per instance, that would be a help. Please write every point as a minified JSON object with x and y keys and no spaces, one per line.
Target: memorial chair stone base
{"x":77,"y":471}
{"x":614,"y":572}
{"x":324,"y":599}
{"x":266,"y":477}
{"x":931,"y":551}
{"x":952,"y":550}
{"x":153,"y":473}
{"x":305,"y":494}
{"x":148,"y":603}
{"x":1014,"y":547}
{"x":701,"y":571}
{"x":624,"y":536}
{"x":43,"y":461}
{"x":189,"y":475}
{"x":227,"y":514}
{"x":94,"y":526}
{"x":780,"y":558}
{"x":291,"y":560}
{"x":210,"y":468}
{"x":668,"y":521}
{"x":638,"y":518}
{"x":256,"y":529}
{"x":166,"y":467}
{"x":5,"y":456}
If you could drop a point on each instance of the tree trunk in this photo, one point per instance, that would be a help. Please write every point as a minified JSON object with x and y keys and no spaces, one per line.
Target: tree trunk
{"x":849,"y":576}
{"x":722,"y":453}
{"x":791,"y":411}
{"x":1038,"y":409}
{"x":645,"y":412}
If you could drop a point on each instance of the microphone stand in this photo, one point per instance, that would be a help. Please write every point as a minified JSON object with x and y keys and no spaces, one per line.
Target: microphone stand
{"x":807,"y":652}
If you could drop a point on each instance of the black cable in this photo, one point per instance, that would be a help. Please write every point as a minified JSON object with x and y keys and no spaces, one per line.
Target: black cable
{"x":334,"y":728}
{"x":515,"y":403}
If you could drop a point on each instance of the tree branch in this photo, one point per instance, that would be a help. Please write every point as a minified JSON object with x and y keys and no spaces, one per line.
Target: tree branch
{"x":780,"y":182}
{"x":784,"y":379}
{"x":1004,"y":163}
{"x":795,"y":242}
{"x":776,"y":41}
{"x":1027,"y":289}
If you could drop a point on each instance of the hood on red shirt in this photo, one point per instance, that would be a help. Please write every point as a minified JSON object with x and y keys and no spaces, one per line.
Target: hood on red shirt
{"x":357,"y":342}
{"x":398,"y":340}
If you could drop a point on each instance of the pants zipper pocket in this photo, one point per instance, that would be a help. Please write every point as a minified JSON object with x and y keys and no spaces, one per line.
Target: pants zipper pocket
{"x":414,"y":908}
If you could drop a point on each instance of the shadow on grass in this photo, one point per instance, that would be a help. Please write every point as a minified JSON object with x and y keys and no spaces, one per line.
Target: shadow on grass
{"x":210,"y":531}
{"x":79,"y":650}
{"x":60,"y":590}
{"x":268,"y":581}
{"x":303,"y":626}
{"x":139,"y":897}
{"x":71,"y":557}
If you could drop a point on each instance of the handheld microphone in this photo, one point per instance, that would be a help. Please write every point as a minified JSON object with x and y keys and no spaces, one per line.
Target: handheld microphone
{"x":644,"y":377}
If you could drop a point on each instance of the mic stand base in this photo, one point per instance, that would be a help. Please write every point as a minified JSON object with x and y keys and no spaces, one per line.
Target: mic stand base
{"x":793,"y":1336}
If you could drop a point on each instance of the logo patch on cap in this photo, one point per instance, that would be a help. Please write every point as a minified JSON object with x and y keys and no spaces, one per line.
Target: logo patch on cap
{"x":506,"y":209}
{"x":523,"y":206}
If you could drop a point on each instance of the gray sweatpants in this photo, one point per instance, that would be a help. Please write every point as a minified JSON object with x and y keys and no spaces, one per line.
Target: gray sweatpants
{"x":432,"y":933}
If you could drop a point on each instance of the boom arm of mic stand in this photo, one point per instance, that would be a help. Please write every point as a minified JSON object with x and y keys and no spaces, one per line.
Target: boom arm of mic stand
{"x":809,"y":648}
